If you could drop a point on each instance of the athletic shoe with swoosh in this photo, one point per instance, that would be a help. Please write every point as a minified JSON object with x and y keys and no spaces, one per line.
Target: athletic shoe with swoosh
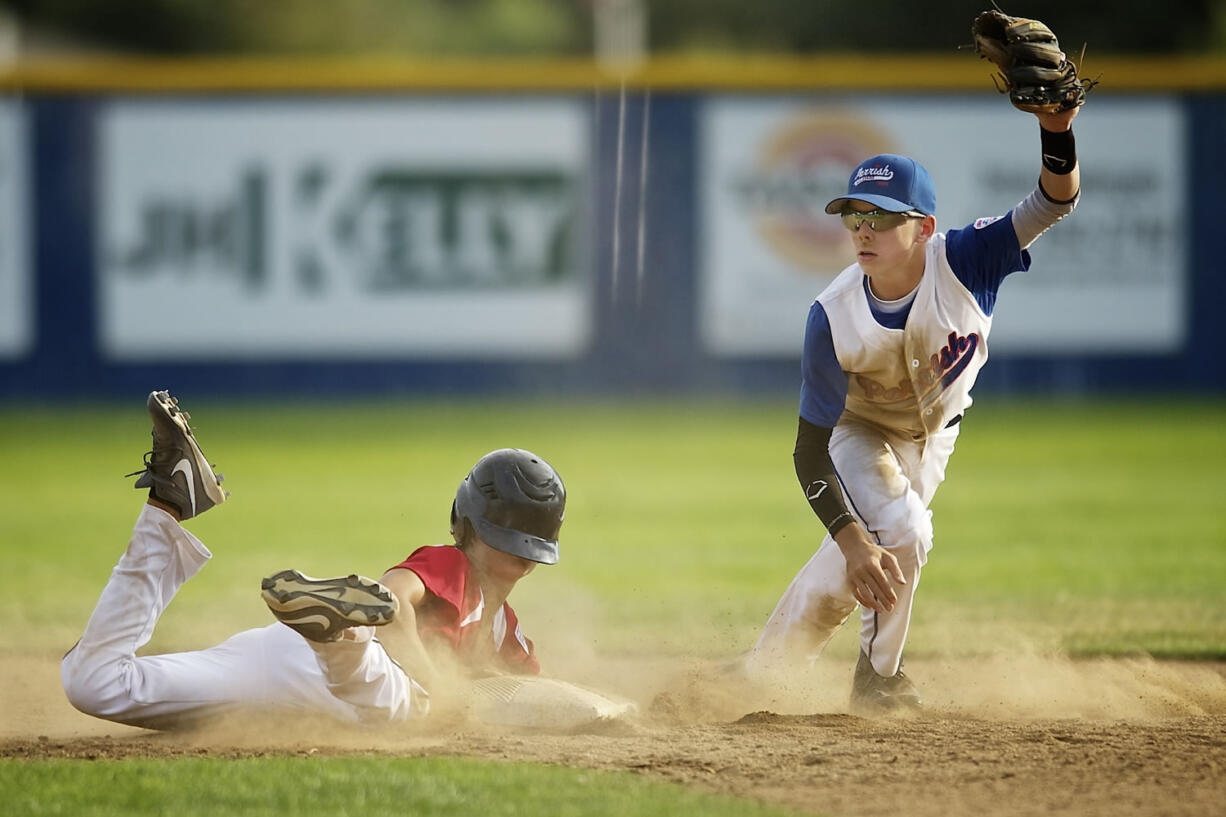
{"x":176,"y":471}
{"x":322,"y":609}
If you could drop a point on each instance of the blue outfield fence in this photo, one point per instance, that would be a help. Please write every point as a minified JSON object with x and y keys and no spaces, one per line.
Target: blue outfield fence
{"x":594,"y":241}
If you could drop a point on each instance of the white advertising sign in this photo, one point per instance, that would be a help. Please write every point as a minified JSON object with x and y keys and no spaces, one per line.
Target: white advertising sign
{"x":16,"y":287}
{"x":1111,"y":277}
{"x":352,"y":228}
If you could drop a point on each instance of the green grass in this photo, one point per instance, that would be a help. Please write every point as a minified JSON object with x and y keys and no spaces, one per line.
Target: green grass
{"x":344,"y":786}
{"x":1097,"y":524}
{"x":1092,"y":527}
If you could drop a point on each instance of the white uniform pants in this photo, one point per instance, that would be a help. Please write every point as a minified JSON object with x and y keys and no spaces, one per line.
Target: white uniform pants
{"x":270,"y":667}
{"x":889,"y":482}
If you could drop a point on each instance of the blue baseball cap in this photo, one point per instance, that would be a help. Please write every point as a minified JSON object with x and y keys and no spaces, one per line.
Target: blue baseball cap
{"x":893,"y":183}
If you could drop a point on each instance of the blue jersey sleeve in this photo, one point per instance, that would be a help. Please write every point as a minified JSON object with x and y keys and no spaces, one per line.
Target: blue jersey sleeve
{"x":982,"y":254}
{"x":823,"y":387}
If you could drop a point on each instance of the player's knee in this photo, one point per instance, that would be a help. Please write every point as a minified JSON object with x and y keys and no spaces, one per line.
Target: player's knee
{"x":909,"y":538}
{"x":90,"y":688}
{"x":81,"y":693}
{"x":830,"y":611}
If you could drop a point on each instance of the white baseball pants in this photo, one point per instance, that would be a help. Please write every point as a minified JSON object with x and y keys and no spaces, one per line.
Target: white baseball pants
{"x":263,"y":668}
{"x":889,"y":481}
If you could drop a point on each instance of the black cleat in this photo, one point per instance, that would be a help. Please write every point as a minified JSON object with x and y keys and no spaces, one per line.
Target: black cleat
{"x":873,"y":694}
{"x":176,"y":471}
{"x":322,"y":609}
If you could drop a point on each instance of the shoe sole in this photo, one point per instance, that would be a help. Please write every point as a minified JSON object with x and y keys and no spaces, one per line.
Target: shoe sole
{"x":162,"y":402}
{"x":320,"y":608}
{"x":889,"y":706}
{"x":881,"y":703}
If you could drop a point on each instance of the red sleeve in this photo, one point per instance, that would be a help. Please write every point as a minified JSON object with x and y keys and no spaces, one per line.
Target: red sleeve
{"x":443,"y":569}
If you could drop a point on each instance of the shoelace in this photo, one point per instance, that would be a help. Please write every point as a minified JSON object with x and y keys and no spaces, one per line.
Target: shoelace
{"x":148,"y":462}
{"x":177,"y":412}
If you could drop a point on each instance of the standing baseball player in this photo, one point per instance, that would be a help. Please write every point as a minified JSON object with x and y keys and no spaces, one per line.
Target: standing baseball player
{"x":892,"y":347}
{"x":441,"y":605}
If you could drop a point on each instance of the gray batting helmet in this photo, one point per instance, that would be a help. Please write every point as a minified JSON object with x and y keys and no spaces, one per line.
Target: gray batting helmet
{"x":515,"y":502}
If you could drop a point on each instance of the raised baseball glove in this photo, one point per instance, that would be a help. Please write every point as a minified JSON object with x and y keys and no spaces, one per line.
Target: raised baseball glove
{"x":1036,"y":74}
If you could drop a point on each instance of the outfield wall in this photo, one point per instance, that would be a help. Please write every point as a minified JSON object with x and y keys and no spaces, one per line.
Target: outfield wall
{"x":552,"y":228}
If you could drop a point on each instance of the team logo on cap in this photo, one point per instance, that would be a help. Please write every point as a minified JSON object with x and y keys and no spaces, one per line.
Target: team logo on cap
{"x":873,"y":174}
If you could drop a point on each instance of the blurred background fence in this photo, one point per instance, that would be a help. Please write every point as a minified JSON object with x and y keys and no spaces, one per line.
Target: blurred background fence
{"x":589,"y":214}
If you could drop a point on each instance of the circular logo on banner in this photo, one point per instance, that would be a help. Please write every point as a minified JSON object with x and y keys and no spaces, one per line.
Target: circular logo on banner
{"x":801,"y":165}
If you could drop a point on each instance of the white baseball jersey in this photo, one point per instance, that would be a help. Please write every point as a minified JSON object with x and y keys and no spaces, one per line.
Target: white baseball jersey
{"x":891,"y":369}
{"x":918,"y":378}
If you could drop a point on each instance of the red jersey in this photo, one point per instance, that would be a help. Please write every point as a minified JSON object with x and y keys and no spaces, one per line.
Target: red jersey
{"x":454,"y":604}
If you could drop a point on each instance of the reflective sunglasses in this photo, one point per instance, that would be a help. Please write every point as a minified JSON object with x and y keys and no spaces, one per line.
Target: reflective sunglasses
{"x":877,"y":220}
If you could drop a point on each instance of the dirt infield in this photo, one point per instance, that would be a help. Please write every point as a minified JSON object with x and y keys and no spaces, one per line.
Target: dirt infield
{"x":1124,"y":737}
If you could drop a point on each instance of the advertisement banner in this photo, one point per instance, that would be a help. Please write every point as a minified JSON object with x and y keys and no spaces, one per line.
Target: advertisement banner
{"x":1109,"y":278}
{"x":343,"y":228}
{"x":16,"y":286}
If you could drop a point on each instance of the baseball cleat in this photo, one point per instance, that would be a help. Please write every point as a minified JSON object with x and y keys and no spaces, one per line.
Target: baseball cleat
{"x":176,"y":471}
{"x":873,"y":694}
{"x":322,"y":609}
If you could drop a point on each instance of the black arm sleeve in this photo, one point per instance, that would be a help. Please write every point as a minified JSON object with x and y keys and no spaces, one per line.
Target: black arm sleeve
{"x":815,"y":470}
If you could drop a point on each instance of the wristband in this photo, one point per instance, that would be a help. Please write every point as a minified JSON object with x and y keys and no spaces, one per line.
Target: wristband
{"x":1059,"y":151}
{"x":839,"y":522}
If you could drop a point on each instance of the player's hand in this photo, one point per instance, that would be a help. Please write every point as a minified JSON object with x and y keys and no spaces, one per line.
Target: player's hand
{"x":1058,"y":122}
{"x":870,"y":569}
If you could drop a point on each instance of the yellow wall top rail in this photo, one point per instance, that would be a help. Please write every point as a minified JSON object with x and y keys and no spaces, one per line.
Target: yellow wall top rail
{"x":830,"y":72}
